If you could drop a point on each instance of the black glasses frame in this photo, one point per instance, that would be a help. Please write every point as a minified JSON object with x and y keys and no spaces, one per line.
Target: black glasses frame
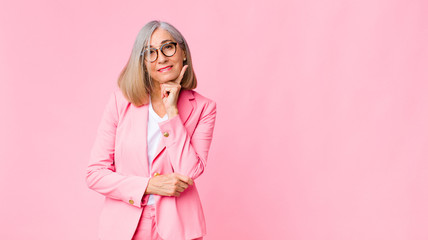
{"x":147,"y":51}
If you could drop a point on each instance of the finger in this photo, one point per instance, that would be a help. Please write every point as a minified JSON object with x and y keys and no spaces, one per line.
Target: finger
{"x":180,"y":189}
{"x":185,"y":179}
{"x":170,"y":90}
{"x":183,"y":70}
{"x":171,"y":83}
{"x":179,"y":183}
{"x":183,"y":185}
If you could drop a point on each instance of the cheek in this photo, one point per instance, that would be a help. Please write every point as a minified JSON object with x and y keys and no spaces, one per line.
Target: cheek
{"x":152,"y":69}
{"x":179,"y":64}
{"x":179,"y":61}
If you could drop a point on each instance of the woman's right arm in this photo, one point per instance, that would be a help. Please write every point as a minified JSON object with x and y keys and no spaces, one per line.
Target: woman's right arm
{"x":101,"y":175}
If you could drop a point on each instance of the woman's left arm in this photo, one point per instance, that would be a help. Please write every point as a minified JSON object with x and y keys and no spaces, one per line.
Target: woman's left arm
{"x":188,"y":154}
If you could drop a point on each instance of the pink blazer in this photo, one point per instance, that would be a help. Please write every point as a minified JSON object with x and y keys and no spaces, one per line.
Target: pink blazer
{"x":118,"y":166}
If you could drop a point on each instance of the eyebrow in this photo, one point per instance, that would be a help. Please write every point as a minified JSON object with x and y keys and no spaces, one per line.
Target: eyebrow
{"x":164,"y":41}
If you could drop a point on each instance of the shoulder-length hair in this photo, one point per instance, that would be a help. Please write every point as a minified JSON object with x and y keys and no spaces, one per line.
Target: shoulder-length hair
{"x":134,"y":79}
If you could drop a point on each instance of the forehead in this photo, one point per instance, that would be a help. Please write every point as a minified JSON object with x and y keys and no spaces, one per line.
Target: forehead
{"x":159,"y":36}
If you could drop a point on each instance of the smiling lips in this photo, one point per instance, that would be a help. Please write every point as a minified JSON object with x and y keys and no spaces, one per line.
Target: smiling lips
{"x":165,"y":69}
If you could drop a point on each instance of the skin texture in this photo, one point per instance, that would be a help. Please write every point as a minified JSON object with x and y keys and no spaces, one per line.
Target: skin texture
{"x":164,"y":100}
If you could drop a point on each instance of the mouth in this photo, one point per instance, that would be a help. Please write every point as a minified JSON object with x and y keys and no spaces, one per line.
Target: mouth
{"x":165,"y":69}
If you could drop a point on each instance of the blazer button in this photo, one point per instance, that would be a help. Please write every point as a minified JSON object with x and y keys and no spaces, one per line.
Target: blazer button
{"x":156,"y":174}
{"x":131,"y":201}
{"x":165,"y":134}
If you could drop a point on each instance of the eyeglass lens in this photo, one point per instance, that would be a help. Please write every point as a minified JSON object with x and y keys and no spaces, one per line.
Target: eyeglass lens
{"x":168,"y":49}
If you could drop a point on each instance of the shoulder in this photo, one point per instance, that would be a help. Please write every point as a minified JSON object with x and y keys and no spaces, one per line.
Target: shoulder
{"x":199,"y":98}
{"x":120,"y":98}
{"x":205,"y":104}
{"x":118,"y":102}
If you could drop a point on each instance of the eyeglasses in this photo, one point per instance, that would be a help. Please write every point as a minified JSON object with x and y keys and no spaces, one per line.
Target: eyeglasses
{"x":168,"y":49}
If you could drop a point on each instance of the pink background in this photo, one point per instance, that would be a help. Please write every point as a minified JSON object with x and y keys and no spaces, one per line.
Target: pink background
{"x":322,"y":114}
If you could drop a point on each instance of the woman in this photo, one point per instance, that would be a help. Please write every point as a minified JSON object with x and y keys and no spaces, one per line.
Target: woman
{"x":152,"y":143}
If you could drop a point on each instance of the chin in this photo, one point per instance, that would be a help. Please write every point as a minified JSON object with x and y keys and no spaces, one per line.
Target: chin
{"x":168,"y":78}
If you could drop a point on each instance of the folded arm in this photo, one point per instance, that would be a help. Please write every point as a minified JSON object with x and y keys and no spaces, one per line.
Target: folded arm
{"x":188,"y":154}
{"x":101,"y":175}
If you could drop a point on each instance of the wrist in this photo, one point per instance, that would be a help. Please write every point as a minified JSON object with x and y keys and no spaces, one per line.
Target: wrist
{"x":149,"y":188}
{"x":172,"y":112}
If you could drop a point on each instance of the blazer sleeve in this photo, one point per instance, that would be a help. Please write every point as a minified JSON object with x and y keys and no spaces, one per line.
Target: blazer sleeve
{"x":188,"y":155}
{"x":101,"y":174}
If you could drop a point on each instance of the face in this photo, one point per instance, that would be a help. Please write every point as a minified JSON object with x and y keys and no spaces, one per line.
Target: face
{"x":164,"y":68}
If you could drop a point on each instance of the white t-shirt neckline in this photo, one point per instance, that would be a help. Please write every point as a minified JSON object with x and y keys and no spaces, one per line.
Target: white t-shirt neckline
{"x":153,"y":114}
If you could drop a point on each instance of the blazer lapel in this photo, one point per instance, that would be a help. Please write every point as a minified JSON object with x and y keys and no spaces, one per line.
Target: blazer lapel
{"x":185,"y":105}
{"x":138,"y":131}
{"x":185,"y":108}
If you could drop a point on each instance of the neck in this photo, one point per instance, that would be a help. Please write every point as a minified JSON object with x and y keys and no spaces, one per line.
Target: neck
{"x":155,"y":95}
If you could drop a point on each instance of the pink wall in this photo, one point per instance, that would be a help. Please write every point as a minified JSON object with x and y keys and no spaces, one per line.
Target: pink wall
{"x":322,"y":114}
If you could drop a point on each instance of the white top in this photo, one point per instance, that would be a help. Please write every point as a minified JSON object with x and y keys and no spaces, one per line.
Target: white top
{"x":153,"y":138}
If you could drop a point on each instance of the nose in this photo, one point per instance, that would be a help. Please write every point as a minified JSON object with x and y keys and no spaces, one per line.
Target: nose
{"x":161,"y":58}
